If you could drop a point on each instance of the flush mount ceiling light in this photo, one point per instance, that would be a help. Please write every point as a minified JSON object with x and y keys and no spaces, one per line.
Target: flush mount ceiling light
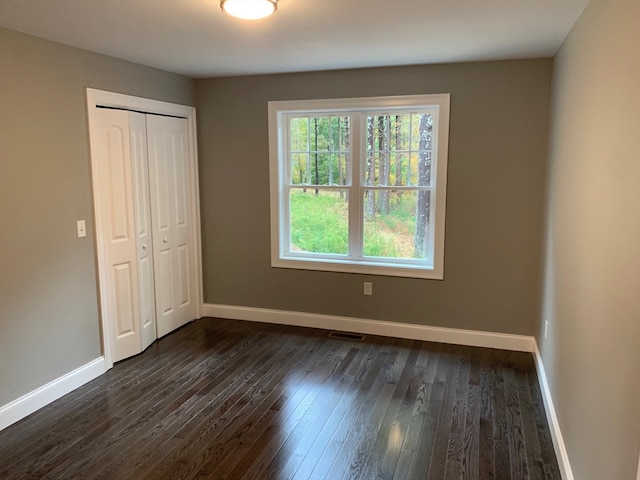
{"x":249,"y":9}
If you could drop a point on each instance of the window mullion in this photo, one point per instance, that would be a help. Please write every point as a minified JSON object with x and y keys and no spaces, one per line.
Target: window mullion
{"x":355,"y":191}
{"x":285,"y":182}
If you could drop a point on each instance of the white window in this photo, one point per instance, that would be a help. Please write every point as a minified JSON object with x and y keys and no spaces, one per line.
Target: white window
{"x":359,"y":185}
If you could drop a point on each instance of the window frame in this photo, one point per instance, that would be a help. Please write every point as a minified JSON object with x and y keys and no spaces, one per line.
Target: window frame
{"x":357,"y":109}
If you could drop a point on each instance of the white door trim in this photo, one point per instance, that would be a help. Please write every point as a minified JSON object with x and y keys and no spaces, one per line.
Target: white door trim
{"x":102,"y":98}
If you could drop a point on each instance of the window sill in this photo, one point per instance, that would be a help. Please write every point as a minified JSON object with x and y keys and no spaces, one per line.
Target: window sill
{"x":388,"y":269}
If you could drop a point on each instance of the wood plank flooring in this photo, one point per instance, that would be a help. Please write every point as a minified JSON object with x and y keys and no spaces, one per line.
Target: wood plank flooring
{"x":223,"y":399}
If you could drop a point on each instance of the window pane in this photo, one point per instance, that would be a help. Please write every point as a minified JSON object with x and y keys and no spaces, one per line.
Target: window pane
{"x":338,"y":169}
{"x":399,"y":169}
{"x":399,"y":150}
{"x":419,"y":173}
{"x":423,"y":169}
{"x":421,"y":131}
{"x":377,"y":168}
{"x":324,"y":141}
{"x":378,"y":130}
{"x":319,"y":221}
{"x":396,"y":224}
{"x":424,"y":145}
{"x":299,"y":134}
{"x":400,"y":131}
{"x":300,"y":168}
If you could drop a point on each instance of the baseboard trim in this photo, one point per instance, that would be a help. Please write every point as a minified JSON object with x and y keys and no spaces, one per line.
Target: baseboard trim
{"x":552,"y":419}
{"x":42,"y":396}
{"x":373,"y":327}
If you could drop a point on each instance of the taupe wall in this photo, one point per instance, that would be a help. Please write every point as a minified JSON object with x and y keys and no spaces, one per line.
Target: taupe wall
{"x":48,"y":295}
{"x":592,"y":263}
{"x":497,"y":156}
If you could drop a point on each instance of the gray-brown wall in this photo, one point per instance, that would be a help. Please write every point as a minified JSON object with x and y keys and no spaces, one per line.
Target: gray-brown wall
{"x":49,"y":321}
{"x":592,"y":263}
{"x":497,"y":156}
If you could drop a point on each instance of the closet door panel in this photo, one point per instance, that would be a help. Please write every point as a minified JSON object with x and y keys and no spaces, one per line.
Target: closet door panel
{"x":184,"y":274}
{"x":144,"y":238}
{"x":147,"y":301}
{"x":117,"y":199}
{"x":164,"y":283}
{"x":171,"y":213}
{"x":123,"y":300}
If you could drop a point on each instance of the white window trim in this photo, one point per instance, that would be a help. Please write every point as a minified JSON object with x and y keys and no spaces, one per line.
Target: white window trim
{"x":390,"y":267}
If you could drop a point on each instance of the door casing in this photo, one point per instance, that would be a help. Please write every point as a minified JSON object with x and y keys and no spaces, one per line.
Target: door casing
{"x":96,"y":98}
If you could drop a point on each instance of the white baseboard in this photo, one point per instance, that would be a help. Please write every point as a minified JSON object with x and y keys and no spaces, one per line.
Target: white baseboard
{"x":38,"y":398}
{"x":552,"y":419}
{"x":374,"y":327}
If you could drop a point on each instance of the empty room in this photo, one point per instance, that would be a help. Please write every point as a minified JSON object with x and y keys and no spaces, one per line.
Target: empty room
{"x":322,"y":239}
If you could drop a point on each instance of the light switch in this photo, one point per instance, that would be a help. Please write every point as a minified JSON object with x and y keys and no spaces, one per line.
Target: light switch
{"x":82,"y":228}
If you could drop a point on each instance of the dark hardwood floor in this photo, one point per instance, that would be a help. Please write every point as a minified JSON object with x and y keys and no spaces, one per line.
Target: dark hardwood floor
{"x":225,"y":399}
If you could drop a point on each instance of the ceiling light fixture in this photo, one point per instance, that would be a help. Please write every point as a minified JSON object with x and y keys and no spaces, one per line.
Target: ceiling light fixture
{"x":249,"y":9}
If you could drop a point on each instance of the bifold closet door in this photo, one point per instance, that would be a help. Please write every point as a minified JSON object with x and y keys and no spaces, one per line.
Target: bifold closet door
{"x":171,"y":221}
{"x":126,"y":242}
{"x":147,"y":245}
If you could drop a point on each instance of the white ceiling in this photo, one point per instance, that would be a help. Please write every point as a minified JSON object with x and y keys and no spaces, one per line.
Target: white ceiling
{"x":194,"y":38}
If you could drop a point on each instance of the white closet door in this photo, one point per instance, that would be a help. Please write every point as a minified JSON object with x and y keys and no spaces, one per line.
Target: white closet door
{"x":117,"y":200}
{"x":171,"y":217}
{"x":138,"y":129}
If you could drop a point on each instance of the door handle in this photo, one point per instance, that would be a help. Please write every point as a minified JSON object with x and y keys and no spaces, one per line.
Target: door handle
{"x":164,"y":240}
{"x":144,"y":247}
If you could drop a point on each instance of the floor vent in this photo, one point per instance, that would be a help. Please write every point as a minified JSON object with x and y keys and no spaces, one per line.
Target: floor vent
{"x":347,"y":336}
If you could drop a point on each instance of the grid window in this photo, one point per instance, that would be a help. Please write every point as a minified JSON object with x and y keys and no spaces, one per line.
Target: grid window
{"x":358,"y":185}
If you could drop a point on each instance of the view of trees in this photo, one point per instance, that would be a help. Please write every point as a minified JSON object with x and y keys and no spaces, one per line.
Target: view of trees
{"x":397,"y":161}
{"x":319,"y":150}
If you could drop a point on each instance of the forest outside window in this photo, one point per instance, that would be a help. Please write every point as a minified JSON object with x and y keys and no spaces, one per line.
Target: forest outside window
{"x":359,"y":185}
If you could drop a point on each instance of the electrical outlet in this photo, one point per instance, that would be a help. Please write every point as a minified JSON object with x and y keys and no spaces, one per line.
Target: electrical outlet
{"x":368,"y":288}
